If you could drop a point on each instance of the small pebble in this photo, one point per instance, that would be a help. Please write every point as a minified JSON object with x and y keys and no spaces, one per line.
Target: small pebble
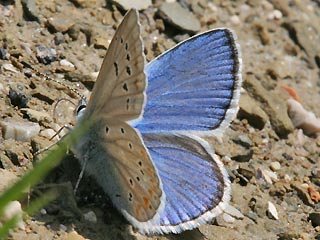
{"x":18,"y":98}
{"x":43,"y":211}
{"x":227,"y":218}
{"x":268,"y":176}
{"x":11,"y":210}
{"x":67,"y":65}
{"x":275,"y":166}
{"x":273,"y":213}
{"x":9,"y":67}
{"x":90,"y":217}
{"x":45,"y":54}
{"x":275,"y":15}
{"x":287,"y":178}
{"x":2,"y":53}
{"x":94,"y":75}
{"x":19,"y":130}
{"x":63,"y":227}
{"x":235,"y":20}
{"x":232,"y":211}
{"x":301,"y":118}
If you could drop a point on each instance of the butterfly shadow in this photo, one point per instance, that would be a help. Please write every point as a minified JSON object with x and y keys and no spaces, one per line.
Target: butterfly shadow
{"x":71,"y":210}
{"x":194,"y":234}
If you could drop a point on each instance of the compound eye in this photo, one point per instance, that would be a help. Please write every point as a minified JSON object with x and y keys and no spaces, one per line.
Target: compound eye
{"x":81,"y":107}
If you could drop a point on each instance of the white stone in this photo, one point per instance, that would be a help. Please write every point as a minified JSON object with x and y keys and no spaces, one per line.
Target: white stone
{"x":275,"y":15}
{"x":235,"y":20}
{"x":272,"y":210}
{"x":271,"y":174}
{"x":275,"y":166}
{"x":43,"y":211}
{"x":287,"y":178}
{"x":9,"y":67}
{"x":19,"y":130}
{"x":227,"y":218}
{"x":13,"y":209}
{"x":301,"y":118}
{"x":63,"y":228}
{"x":233,"y":212}
{"x":90,"y":217}
{"x":94,"y":75}
{"x":66,"y":63}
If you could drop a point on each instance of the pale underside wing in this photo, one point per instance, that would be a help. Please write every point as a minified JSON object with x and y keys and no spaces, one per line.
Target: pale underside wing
{"x":119,"y":91}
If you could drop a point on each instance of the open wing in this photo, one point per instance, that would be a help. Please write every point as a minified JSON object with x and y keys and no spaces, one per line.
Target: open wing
{"x":194,"y":180}
{"x":195,"y":86}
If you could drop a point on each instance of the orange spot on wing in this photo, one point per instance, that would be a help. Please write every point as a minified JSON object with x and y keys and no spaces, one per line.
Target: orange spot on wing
{"x":146,"y":202}
{"x":154,"y":183}
{"x":150,"y":192}
{"x":144,"y":153}
{"x":138,"y":208}
{"x":149,"y":170}
{"x":291,"y":92}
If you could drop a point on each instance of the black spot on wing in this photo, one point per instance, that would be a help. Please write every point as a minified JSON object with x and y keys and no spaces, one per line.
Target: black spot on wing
{"x":116,"y":68}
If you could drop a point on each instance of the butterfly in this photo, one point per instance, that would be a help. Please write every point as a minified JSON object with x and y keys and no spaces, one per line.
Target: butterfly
{"x":144,"y":146}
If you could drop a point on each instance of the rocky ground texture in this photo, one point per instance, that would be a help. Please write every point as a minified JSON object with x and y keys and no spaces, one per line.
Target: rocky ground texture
{"x":274,"y":166}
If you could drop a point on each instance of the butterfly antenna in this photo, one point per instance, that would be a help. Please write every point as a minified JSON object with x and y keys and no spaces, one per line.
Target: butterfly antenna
{"x":53,"y":144}
{"x":48,"y":78}
{"x":56,"y":105}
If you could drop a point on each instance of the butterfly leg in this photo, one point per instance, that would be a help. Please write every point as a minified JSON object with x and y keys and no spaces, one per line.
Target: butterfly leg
{"x":81,"y":174}
{"x":53,"y":144}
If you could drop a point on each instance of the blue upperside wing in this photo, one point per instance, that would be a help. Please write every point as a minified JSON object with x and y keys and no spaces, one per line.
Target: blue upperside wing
{"x":195,"y":86}
{"x":194,"y":180}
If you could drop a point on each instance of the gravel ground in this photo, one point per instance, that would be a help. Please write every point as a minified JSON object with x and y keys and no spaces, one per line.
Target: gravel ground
{"x":273,"y":165}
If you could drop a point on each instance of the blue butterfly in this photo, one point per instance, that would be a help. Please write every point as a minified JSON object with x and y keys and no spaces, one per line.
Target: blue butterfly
{"x":144,"y":147}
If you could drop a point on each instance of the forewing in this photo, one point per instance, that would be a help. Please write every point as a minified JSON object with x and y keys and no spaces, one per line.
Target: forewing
{"x":119,"y":161}
{"x":195,"y":86}
{"x":119,"y":90}
{"x":194,"y":180}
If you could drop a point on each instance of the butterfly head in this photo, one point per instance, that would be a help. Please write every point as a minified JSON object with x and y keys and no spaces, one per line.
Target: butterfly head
{"x":79,"y":111}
